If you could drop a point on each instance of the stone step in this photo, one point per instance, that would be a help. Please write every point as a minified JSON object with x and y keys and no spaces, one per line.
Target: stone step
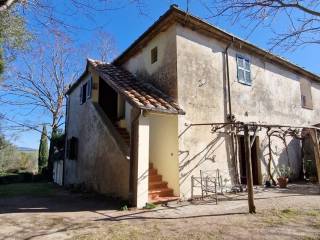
{"x":157,"y":184}
{"x":161,"y":192}
{"x":155,"y":178}
{"x":157,"y":200}
{"x":153,"y":171}
{"x":124,"y":134}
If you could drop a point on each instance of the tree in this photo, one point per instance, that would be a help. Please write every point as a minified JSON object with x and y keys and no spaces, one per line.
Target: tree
{"x":40,"y":83}
{"x":43,"y":150}
{"x":13,"y":36}
{"x":302,"y":18}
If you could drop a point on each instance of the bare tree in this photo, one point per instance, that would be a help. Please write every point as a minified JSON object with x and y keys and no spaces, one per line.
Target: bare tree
{"x":42,"y":81}
{"x":302,"y":18}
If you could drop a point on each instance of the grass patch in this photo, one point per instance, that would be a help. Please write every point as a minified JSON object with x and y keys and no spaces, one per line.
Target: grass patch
{"x":313,"y":213}
{"x":27,"y":189}
{"x":150,"y":206}
{"x":288,"y":213}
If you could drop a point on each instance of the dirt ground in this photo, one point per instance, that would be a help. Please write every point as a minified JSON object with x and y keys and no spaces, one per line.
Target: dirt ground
{"x":292,"y":213}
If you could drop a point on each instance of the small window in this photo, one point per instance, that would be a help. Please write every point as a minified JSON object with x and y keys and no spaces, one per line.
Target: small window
{"x":154,"y":55}
{"x":244,"y":72}
{"x":306,"y":96}
{"x":89,"y":88}
{"x":83,"y":93}
{"x":72,"y":148}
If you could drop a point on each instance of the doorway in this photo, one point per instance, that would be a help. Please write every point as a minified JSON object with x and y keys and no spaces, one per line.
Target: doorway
{"x":254,"y":161}
{"x":108,"y":100}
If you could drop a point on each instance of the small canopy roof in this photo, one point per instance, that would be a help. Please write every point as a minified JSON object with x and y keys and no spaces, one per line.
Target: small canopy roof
{"x":140,"y":94}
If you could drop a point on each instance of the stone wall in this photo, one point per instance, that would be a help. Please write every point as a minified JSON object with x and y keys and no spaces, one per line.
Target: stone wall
{"x":101,"y":165}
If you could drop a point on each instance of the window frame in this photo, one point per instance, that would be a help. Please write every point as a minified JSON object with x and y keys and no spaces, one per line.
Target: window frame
{"x":245,"y":70}
{"x":83,"y":93}
{"x":154,"y":55}
{"x":89,"y":88}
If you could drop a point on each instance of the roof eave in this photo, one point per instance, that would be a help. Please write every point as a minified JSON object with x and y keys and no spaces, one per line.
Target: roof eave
{"x":176,"y":15}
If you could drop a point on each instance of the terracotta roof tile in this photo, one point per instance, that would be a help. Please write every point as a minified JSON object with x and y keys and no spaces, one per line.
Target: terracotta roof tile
{"x":140,"y":94}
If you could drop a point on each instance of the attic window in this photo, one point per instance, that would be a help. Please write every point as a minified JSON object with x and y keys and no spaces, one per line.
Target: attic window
{"x":154,"y":55}
{"x":83,"y":93}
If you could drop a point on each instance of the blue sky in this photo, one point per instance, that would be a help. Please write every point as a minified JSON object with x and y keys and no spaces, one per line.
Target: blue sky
{"x":127,"y":24}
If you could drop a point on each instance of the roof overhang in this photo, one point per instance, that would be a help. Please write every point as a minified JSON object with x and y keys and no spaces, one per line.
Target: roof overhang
{"x":176,"y":15}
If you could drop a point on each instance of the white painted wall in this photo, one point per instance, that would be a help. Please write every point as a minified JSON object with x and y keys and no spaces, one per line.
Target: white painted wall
{"x":143,"y":162}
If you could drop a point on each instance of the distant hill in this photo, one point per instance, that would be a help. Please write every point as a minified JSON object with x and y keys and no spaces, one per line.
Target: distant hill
{"x":25,"y":149}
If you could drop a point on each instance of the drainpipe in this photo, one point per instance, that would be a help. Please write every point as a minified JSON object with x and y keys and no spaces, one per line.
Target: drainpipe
{"x":132,"y":157}
{"x":230,"y":116}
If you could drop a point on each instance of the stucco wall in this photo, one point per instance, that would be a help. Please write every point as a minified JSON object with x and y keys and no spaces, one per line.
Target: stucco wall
{"x":162,"y":73}
{"x":274,"y":97}
{"x":163,"y":144}
{"x":100,"y":165}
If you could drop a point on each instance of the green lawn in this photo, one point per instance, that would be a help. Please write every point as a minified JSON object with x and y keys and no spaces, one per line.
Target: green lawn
{"x":27,"y":189}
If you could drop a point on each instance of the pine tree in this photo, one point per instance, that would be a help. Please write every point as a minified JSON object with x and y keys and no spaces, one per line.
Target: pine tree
{"x":43,"y":150}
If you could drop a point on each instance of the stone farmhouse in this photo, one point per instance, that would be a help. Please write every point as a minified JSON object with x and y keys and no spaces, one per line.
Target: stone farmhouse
{"x":140,"y":127}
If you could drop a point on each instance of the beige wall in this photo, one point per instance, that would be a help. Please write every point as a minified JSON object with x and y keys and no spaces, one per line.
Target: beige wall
{"x":274,"y":97}
{"x":163,"y":72}
{"x":163,"y":148}
{"x":101,"y":165}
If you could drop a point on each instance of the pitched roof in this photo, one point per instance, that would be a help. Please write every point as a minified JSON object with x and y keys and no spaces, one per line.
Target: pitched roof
{"x":140,"y":94}
{"x":176,"y":15}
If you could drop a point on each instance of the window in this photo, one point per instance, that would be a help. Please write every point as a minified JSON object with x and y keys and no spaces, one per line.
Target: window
{"x":154,"y":55}
{"x":86,"y":91}
{"x":83,"y":93}
{"x":244,"y":72}
{"x":306,"y":96}
{"x":72,"y":148}
{"x":89,"y":88}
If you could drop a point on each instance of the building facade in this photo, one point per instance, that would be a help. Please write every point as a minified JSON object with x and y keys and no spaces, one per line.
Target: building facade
{"x":148,"y":113}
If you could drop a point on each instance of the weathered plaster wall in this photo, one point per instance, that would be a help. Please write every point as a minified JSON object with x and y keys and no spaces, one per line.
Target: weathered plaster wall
{"x":274,"y":97}
{"x":162,"y":73}
{"x":163,"y":143}
{"x":101,"y":165}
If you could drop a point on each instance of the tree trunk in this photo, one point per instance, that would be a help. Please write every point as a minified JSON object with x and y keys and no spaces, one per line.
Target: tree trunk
{"x":252,"y":208}
{"x":54,"y":131}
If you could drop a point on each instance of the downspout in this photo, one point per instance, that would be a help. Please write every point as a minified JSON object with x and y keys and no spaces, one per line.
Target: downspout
{"x":230,"y":116}
{"x":132,"y":157}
